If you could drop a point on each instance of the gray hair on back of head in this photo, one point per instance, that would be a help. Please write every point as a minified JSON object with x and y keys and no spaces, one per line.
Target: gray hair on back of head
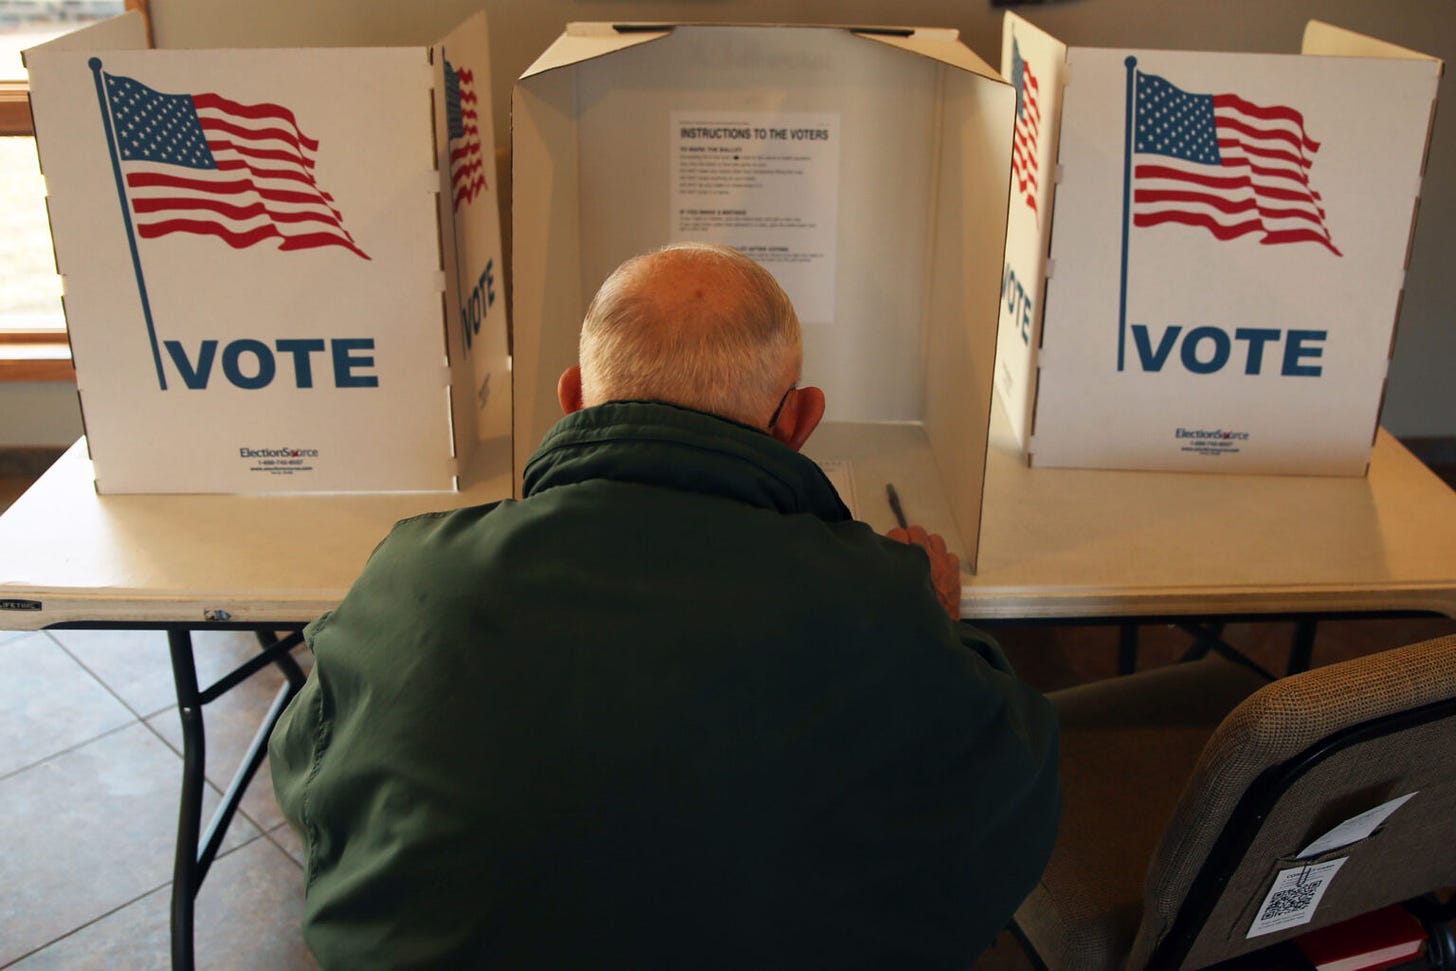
{"x":728,"y":343}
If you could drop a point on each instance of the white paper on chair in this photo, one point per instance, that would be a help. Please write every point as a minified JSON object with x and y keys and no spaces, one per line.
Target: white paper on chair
{"x":1294,"y":897}
{"x":1355,"y":828}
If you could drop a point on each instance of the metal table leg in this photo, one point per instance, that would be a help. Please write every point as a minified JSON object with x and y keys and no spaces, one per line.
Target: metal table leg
{"x":1127,"y":648}
{"x":191,"y":864}
{"x":1301,"y":648}
{"x":185,"y":877}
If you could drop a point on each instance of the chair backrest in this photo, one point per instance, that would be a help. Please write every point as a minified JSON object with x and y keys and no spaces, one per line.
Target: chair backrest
{"x":1294,"y":760}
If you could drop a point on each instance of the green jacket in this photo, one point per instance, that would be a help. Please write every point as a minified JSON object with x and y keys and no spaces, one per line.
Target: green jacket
{"x":674,"y":709}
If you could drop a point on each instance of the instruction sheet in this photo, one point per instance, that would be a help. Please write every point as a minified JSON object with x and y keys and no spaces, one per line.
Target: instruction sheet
{"x":766,"y":184}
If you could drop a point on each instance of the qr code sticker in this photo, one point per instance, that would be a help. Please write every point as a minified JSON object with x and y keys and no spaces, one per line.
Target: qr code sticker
{"x":1294,"y":896}
{"x":1291,"y":901}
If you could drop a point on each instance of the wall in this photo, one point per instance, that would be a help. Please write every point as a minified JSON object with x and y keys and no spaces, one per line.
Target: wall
{"x":1421,"y":400}
{"x":43,"y":413}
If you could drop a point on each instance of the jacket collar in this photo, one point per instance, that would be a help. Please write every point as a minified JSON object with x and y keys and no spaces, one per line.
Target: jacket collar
{"x":654,"y":443}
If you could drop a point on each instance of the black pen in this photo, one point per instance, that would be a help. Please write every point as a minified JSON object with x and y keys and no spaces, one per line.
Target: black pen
{"x":895,"y":506}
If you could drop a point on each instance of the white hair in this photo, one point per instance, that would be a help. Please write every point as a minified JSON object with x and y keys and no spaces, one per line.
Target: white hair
{"x":694,"y":324}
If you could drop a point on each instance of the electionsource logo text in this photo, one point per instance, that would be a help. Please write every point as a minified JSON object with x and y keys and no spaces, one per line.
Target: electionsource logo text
{"x":278,"y":453}
{"x":1218,"y":433}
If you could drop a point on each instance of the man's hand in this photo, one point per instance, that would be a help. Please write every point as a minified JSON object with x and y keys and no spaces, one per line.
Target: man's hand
{"x":945,"y":566}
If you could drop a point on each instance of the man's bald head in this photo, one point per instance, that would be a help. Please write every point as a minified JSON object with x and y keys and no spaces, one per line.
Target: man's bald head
{"x":693,"y":324}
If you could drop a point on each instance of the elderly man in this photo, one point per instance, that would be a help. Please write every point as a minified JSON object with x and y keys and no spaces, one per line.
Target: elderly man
{"x":674,"y":708}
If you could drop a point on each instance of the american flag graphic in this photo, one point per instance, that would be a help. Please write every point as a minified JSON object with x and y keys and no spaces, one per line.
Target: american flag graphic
{"x":1028,"y":124}
{"x":1223,"y":163}
{"x":202,"y":163}
{"x":467,"y":170}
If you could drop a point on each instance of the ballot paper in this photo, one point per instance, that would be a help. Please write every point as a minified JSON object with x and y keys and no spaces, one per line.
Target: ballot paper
{"x":841,"y":476}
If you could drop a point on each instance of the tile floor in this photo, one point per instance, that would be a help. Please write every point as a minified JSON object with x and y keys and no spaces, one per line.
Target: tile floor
{"x":90,"y":764}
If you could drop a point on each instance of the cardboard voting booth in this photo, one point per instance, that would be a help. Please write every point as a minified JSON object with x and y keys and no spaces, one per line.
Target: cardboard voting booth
{"x":281,"y":267}
{"x":1205,"y":251}
{"x":865,"y":168}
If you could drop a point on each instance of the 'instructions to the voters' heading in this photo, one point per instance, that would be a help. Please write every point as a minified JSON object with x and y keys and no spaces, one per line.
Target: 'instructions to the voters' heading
{"x":768,"y":185}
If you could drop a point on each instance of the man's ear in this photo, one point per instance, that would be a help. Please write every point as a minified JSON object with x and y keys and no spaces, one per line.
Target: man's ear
{"x":568,"y":390}
{"x":802,"y":412}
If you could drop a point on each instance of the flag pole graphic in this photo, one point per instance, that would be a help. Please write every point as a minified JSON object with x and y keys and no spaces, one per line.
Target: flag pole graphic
{"x":136,"y":260}
{"x":1130,"y":127}
{"x":454,"y":223}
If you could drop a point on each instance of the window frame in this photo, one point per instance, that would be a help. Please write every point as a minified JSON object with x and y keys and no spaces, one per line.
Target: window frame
{"x":41,"y":354}
{"x":15,"y":108}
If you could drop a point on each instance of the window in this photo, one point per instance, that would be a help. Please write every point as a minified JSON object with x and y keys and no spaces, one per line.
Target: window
{"x":32,"y":326}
